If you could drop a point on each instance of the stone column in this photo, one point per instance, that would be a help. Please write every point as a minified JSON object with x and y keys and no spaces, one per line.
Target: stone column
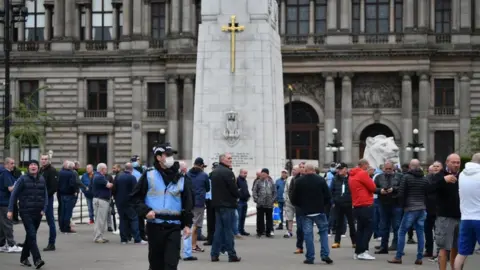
{"x":332,"y":15}
{"x":465,"y":16}
{"x":21,"y":31}
{"x":59,"y":28}
{"x":127,"y":18}
{"x":137,"y":19}
{"x":329,"y":112}
{"x":391,"y":25}
{"x":347,"y":124}
{"x":346,"y":15}
{"x":187,"y":135}
{"x":88,"y":23}
{"x":172,"y":111}
{"x":465,"y":116}
{"x":362,"y":16}
{"x":41,"y":94}
{"x":477,"y":15}
{"x":69,"y":18}
{"x":423,"y":112}
{"x":147,"y":19}
{"x":283,"y":17}
{"x":194,"y":18}
{"x":115,"y":22}
{"x":408,"y":8}
{"x":48,"y":23}
{"x":432,"y":15}
{"x":167,"y":17}
{"x":422,"y":15}
{"x":455,"y":15}
{"x":82,"y":157}
{"x":78,"y":20}
{"x":311,"y":23}
{"x":110,"y":97}
{"x":137,"y":109}
{"x":175,"y":13}
{"x":186,"y":16}
{"x":110,"y":150}
{"x":407,"y":108}
{"x":81,"y":95}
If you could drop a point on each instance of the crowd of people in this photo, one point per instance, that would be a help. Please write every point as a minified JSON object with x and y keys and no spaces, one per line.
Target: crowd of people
{"x":173,"y":199}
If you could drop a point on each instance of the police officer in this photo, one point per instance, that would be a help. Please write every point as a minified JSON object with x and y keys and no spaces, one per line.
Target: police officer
{"x":164,"y":197}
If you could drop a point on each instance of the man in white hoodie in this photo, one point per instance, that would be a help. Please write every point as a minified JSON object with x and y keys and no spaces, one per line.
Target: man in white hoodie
{"x":469,"y":234}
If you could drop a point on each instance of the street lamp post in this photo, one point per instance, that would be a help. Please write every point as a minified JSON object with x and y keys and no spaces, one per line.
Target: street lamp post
{"x":335,"y":146}
{"x":415,"y":146}
{"x":19,"y":14}
{"x":290,"y":116}
{"x":162,"y":132}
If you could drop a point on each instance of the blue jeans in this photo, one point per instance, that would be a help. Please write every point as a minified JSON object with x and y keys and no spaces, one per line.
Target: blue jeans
{"x":280,"y":206}
{"x":242,"y":215}
{"x":51,"y":222}
{"x":376,"y":218}
{"x":187,"y":247}
{"x":417,"y":220}
{"x":224,"y":218}
{"x":390,"y":216}
{"x":235,"y":224}
{"x":90,"y":208}
{"x":322,"y":225}
{"x":68,"y":203}
{"x":300,"y":236}
{"x":128,"y":224}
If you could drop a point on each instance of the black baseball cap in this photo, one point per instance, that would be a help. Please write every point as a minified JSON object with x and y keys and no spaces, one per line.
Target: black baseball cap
{"x":164,"y":148}
{"x":199,"y":162}
{"x":342,"y":165}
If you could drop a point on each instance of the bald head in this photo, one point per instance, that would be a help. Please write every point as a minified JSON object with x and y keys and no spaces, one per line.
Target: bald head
{"x":453,"y":163}
{"x":309,"y":168}
{"x":414,"y":164}
{"x":476,"y":158}
{"x":128,"y":167}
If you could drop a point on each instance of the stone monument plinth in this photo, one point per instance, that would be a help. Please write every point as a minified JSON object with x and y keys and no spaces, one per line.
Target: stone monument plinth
{"x":239,"y":102}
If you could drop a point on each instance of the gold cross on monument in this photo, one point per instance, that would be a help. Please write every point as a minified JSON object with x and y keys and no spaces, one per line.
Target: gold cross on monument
{"x":233,"y":28}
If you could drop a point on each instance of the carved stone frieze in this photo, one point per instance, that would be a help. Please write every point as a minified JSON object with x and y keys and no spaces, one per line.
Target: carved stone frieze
{"x":374,"y":90}
{"x":307,"y":85}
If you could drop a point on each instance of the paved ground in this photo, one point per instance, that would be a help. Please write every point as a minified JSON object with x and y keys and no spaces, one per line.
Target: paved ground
{"x":77,"y":252}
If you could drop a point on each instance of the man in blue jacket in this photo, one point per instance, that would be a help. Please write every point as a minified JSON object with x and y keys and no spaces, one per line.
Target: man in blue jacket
{"x":201,"y":186}
{"x":87,"y":180}
{"x":31,"y":192}
{"x":67,"y":188}
{"x":280,"y":186}
{"x":7,"y":180}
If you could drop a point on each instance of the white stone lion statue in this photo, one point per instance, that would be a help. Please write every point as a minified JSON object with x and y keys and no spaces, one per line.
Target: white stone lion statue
{"x":379,"y":149}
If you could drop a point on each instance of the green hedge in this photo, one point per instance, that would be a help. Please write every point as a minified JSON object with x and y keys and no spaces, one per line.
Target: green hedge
{"x":81,"y":171}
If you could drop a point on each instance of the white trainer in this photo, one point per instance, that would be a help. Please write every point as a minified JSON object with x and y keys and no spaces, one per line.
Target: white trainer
{"x":14,"y":249}
{"x":4,"y":248}
{"x":365,"y":256}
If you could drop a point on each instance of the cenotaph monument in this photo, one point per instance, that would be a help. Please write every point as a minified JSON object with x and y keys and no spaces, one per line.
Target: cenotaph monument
{"x":239,"y":102}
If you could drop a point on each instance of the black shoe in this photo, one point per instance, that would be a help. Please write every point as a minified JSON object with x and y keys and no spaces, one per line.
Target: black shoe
{"x":202,"y":238}
{"x":192,"y":258}
{"x":207,"y":243}
{"x":234,"y":259}
{"x":327,"y":260}
{"x":392,"y":248}
{"x":381,"y":251}
{"x":39,"y":264}
{"x":280,"y":227}
{"x":20,"y":245}
{"x":110,"y":229}
{"x":215,"y":259}
{"x":245,"y":234}
{"x":269,"y":236}
{"x":26,"y":263}
{"x":411,"y":242}
{"x":259,"y":235}
{"x":378,"y":247}
{"x":50,"y":247}
{"x":308,"y":262}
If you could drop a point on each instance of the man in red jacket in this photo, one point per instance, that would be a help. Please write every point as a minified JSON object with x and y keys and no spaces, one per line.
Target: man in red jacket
{"x":362,"y":188}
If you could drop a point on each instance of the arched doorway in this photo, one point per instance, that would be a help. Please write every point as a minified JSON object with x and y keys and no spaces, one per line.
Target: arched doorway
{"x":372,"y":131}
{"x":304,"y":131}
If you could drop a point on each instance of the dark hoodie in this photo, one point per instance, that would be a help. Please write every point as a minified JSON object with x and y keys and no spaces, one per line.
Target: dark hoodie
{"x":6,"y":180}
{"x":172,"y":174}
{"x":201,"y":185}
{"x":243,"y":188}
{"x":413,"y":191}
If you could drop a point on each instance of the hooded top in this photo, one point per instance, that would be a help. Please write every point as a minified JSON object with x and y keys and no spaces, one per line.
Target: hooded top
{"x":469,"y":186}
{"x":201,"y":185}
{"x":362,"y":187}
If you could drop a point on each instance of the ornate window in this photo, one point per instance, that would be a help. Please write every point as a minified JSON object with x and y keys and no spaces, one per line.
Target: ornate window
{"x":377,"y":16}
{"x":35,"y":23}
{"x":102,"y":20}
{"x":320,"y":16}
{"x":97,"y":149}
{"x":97,"y":95}
{"x":158,"y":21}
{"x":298,"y":15}
{"x":29,"y":94}
{"x":398,"y":16}
{"x":444,"y":96}
{"x":304,"y":131}
{"x":443,"y":16}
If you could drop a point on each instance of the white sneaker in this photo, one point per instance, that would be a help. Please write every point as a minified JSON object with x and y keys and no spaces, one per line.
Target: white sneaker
{"x":272,"y":233}
{"x":379,"y":239}
{"x":117,"y":232}
{"x":355,"y":256}
{"x":14,"y":249}
{"x":365,"y":256}
{"x":343,"y":236}
{"x":4,"y":248}
{"x":142,"y":243}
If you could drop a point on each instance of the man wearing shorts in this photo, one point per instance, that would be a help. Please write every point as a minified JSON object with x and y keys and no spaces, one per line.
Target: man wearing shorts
{"x":201,"y":185}
{"x":448,"y":207}
{"x":289,"y":208}
{"x":469,"y":235}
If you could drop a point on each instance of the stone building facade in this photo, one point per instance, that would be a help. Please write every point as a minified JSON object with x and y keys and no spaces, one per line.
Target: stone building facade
{"x":119,"y":71}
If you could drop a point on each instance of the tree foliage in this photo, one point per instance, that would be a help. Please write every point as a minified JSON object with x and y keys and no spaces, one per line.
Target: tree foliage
{"x":28,"y":122}
{"x":474,"y":134}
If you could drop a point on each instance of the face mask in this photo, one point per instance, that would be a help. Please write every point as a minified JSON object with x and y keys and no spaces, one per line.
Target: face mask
{"x":169,"y":162}
{"x":332,"y":169}
{"x":135,"y":164}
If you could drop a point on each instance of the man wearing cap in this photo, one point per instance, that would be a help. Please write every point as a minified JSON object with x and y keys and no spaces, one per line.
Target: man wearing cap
{"x":31,"y":192}
{"x":164,"y":197}
{"x":280,"y":186}
{"x":201,"y":185}
{"x":264,"y":195}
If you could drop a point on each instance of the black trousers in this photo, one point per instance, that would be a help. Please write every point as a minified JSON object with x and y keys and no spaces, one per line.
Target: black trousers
{"x":59,"y":210}
{"x":342,"y":211}
{"x":429,"y":226}
{"x":141,"y":227}
{"x":163,"y":246}
{"x":210,"y":221}
{"x":264,"y":217}
{"x":364,"y":217}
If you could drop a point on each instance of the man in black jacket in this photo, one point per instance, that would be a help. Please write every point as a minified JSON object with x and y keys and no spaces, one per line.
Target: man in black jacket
{"x":412,"y":193}
{"x":50,"y":175}
{"x":224,"y":199}
{"x":210,"y":210}
{"x":243,"y":201}
{"x":311,"y":193}
{"x":431,"y":207}
{"x":342,"y":200}
{"x":391,"y":212}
